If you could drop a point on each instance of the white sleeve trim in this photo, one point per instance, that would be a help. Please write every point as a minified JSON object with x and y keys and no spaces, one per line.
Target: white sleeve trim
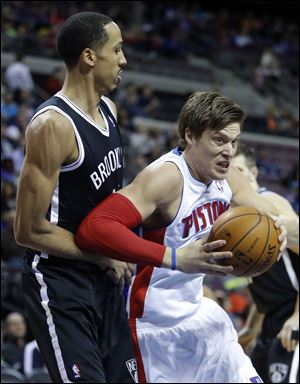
{"x":78,"y":162}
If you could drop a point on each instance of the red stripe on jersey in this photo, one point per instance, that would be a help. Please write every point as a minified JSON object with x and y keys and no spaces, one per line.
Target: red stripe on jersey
{"x":143,"y":275}
{"x":139,"y":290}
{"x":138,"y":355}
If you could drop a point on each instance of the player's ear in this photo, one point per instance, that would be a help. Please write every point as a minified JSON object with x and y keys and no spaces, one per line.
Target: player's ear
{"x":89,"y":57}
{"x":255,"y":171}
{"x":188,"y":135}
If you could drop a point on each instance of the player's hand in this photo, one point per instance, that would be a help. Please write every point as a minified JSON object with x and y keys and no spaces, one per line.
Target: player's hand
{"x":280,"y":225}
{"x":120,"y":272}
{"x":202,"y":257}
{"x":285,"y":335}
{"x":291,"y":225}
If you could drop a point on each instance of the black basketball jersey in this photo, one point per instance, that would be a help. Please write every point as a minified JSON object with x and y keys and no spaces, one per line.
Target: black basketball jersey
{"x":275,"y":291}
{"x":97,"y":172}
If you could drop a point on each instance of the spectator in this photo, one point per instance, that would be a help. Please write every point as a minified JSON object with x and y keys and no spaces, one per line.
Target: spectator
{"x":6,"y":146}
{"x":14,"y":334}
{"x":9,"y":109}
{"x":8,"y":171}
{"x":271,"y":68}
{"x":148,"y":102}
{"x":11,"y":253}
{"x":271,"y":120}
{"x":18,"y":75}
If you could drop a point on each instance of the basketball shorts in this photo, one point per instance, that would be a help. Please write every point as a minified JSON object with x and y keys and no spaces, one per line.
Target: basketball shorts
{"x":274,"y":363}
{"x":202,"y":349}
{"x":78,"y":318}
{"x":283,"y":366}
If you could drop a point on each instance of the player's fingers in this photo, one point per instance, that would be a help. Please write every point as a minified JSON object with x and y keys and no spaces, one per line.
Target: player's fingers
{"x":285,"y":337}
{"x":131,"y":267}
{"x":283,"y":233}
{"x":208,"y":247}
{"x":283,"y":244}
{"x":293,"y":345}
{"x":214,"y":257}
{"x":278,"y":221}
{"x":220,"y":270}
{"x":128,"y":276}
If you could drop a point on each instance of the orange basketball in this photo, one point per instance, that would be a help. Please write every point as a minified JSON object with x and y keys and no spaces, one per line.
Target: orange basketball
{"x":251,"y":236}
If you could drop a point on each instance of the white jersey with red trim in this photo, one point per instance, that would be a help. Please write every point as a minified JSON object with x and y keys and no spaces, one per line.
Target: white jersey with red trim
{"x":163,"y":297}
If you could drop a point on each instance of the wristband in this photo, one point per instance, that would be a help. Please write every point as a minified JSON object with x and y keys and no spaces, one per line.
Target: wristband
{"x":173,"y":259}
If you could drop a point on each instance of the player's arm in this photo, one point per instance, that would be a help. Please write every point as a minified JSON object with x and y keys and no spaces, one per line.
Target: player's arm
{"x":251,"y":328}
{"x":50,"y":142}
{"x":107,"y":227}
{"x":289,"y":217}
{"x":244,"y":195}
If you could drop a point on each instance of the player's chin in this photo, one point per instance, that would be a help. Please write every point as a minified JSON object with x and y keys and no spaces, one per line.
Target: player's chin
{"x":113,"y":85}
{"x":220,"y":173}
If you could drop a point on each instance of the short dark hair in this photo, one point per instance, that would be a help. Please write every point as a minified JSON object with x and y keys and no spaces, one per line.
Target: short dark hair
{"x":207,"y":110}
{"x":248,"y":153}
{"x":80,"y":31}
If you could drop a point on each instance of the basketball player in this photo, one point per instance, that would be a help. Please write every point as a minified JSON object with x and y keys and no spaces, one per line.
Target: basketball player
{"x":275,"y":294}
{"x":73,"y":161}
{"x":179,"y":335}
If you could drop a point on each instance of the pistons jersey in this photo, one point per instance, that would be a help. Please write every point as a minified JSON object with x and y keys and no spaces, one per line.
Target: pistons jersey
{"x":96,"y":173}
{"x":160,"y":296}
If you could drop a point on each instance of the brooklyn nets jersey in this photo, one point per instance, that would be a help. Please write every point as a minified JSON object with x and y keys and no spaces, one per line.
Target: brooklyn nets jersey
{"x":96,"y":173}
{"x":275,"y":291}
{"x":180,"y":293}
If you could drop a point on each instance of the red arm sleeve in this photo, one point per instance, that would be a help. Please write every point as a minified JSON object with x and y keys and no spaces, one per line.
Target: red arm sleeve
{"x":106,"y":230}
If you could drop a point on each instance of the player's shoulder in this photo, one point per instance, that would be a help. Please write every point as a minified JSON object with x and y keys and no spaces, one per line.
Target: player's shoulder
{"x":49,"y":121}
{"x":164,"y":178}
{"x":167,"y":172}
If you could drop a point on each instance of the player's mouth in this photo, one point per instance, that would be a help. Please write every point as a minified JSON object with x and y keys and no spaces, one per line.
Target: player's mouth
{"x":224,"y":165}
{"x":119,"y":75}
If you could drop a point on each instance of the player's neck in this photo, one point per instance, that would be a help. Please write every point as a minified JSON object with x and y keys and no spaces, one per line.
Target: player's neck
{"x":80,"y":91}
{"x":255,"y":186}
{"x":193,"y":170}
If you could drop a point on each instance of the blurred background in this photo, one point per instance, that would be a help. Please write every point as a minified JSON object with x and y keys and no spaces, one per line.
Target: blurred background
{"x":247,"y":50}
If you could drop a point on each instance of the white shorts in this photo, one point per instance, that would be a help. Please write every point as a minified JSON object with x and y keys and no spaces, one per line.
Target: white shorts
{"x":202,"y":349}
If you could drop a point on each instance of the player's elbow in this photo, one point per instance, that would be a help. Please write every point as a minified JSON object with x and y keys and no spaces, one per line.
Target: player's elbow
{"x":21,"y":236}
{"x":23,"y":233}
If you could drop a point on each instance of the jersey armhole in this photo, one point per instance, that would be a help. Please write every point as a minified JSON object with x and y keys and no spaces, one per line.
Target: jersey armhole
{"x":78,"y":162}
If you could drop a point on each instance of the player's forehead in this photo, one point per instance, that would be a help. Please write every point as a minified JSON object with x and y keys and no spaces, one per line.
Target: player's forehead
{"x":114,"y":34}
{"x":231,"y":131}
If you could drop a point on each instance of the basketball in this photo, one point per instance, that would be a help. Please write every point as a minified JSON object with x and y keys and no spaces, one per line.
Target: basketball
{"x":252,"y":238}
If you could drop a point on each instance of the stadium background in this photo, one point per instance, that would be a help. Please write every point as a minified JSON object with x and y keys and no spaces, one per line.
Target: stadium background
{"x":247,"y":50}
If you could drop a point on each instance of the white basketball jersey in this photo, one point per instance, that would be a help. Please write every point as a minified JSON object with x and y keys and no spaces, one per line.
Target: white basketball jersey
{"x":163,"y":297}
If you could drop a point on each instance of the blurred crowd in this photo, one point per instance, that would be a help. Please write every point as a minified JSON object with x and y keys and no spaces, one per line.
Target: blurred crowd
{"x":173,"y":31}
